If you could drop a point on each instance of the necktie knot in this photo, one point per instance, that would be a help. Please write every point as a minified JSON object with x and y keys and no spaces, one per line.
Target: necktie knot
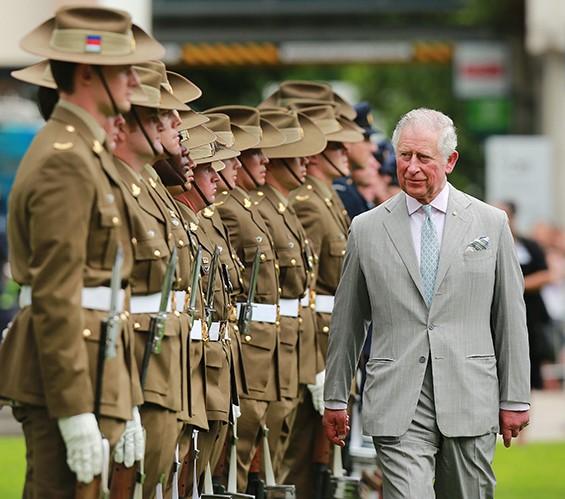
{"x":427,"y":209}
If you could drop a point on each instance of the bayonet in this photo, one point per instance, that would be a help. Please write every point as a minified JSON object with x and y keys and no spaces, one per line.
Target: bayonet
{"x":211,"y":285}
{"x":195,"y":280}
{"x":246,"y":310}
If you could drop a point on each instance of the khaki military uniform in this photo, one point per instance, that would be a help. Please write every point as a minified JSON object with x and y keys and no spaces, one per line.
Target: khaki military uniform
{"x":155,"y":231}
{"x":217,"y":349}
{"x":260,"y":343}
{"x":326,"y":225}
{"x":294,"y":264}
{"x":66,"y":221}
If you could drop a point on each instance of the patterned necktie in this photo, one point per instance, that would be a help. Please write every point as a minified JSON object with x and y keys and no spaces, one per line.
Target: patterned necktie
{"x":429,"y":254}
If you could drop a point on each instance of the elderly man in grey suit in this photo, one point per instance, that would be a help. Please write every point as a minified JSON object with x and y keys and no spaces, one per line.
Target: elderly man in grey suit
{"x":435,"y":271}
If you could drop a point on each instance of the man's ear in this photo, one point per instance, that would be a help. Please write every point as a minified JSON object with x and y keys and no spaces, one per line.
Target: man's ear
{"x":84,"y":75}
{"x":451,"y":161}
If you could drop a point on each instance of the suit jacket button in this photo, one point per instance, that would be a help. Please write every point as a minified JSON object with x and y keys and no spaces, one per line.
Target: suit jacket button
{"x":422,"y":359}
{"x":431,"y":327}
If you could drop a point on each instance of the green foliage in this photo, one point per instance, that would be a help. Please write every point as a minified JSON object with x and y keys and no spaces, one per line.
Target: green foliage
{"x":12,"y":466}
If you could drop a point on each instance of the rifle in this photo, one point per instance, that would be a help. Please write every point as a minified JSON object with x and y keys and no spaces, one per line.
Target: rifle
{"x":209,"y":307}
{"x":195,"y":280}
{"x":246,"y":310}
{"x":157,"y":324}
{"x":109,"y":330}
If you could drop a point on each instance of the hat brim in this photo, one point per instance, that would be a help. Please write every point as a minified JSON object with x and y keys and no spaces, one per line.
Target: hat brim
{"x":271,"y":137}
{"x":169,"y":102}
{"x":37,"y":74}
{"x":243,"y":140}
{"x":313,"y":142}
{"x":183,"y":89}
{"x":219,"y":155}
{"x":349,"y":132}
{"x":199,"y":136}
{"x":38,"y":42}
{"x":191,"y":119}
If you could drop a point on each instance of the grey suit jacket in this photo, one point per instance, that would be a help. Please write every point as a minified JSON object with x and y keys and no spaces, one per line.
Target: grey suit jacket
{"x":474,"y":333}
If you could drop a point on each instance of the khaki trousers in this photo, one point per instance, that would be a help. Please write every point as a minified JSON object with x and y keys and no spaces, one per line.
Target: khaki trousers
{"x":162,"y":433}
{"x":280,"y":419}
{"x":47,"y":473}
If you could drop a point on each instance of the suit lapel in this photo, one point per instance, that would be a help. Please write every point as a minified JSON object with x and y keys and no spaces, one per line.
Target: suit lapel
{"x":457,"y":222}
{"x":397,"y":225}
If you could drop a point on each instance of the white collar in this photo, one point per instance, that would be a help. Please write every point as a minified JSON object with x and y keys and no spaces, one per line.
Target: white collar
{"x":439,"y":202}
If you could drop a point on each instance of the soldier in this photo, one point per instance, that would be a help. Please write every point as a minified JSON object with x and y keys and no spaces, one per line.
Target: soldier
{"x":322,"y":216}
{"x":154,"y":235}
{"x":208,"y":159}
{"x":249,"y":234}
{"x":66,"y":221}
{"x":286,"y":171}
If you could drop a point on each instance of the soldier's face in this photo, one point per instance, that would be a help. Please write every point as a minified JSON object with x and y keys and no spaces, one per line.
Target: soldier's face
{"x":152,"y":125}
{"x":169,"y":135}
{"x":364,"y":176}
{"x":335,"y":154}
{"x":206,"y":178}
{"x":121,"y":81}
{"x":230,"y":173}
{"x":421,"y":167}
{"x":361,"y":153}
{"x":298,"y":166}
{"x":113,"y":127}
{"x":254,"y":162}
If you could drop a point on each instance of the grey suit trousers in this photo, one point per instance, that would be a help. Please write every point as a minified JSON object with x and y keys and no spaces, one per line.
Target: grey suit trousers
{"x":423,"y":464}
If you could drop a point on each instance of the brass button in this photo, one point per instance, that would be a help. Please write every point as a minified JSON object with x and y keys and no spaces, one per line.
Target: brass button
{"x":181,"y":243}
{"x":70,"y":128}
{"x":177,"y":313}
{"x":277,"y":266}
{"x":133,"y":240}
{"x":157,"y":253}
{"x":263,"y":257}
{"x":123,"y":316}
{"x":309,"y":187}
{"x":325,"y":329}
{"x":293,"y":261}
{"x":115,"y":220}
{"x":247,"y":338}
{"x":313,"y":306}
{"x":280,"y":290}
{"x":300,"y":320}
{"x":277,"y":323}
{"x":235,"y":327}
{"x":343,"y":252}
{"x":86,"y":333}
{"x":136,"y":325}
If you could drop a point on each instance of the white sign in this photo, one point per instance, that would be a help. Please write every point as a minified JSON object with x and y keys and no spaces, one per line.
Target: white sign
{"x":481,"y":69}
{"x":518,"y":168}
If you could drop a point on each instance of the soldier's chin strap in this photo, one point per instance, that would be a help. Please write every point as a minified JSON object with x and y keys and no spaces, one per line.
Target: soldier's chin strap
{"x":341,"y":174}
{"x":225,"y":181}
{"x":289,"y":168}
{"x":257,"y":184}
{"x":137,"y":119}
{"x":207,"y":202}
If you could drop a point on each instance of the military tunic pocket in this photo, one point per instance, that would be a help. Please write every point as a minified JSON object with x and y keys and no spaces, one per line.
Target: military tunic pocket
{"x":151,"y":257}
{"x":103,"y":241}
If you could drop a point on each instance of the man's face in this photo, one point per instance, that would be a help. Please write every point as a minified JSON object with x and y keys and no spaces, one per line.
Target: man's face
{"x":230,"y":172}
{"x":121,"y":81}
{"x":169,"y":135}
{"x":421,"y":168}
{"x":364,"y":177}
{"x":337,"y":154}
{"x":114,"y":126}
{"x":298,"y":167}
{"x":361,"y":153}
{"x":206,"y":178}
{"x":254,"y":162}
{"x":137,"y":141}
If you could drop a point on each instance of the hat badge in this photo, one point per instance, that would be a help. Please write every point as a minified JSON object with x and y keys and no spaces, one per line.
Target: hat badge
{"x":93,"y":44}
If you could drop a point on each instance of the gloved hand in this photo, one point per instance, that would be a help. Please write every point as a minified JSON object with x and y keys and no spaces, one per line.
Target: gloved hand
{"x":131,"y":445}
{"x":84,"y":445}
{"x":317,"y":391}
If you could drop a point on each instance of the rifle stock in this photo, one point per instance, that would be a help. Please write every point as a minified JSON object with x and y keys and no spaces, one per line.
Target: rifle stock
{"x":123,"y":481}
{"x":90,"y":490}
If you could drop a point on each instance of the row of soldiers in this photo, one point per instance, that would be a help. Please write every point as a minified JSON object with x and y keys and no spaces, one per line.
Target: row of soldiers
{"x":177,"y":272}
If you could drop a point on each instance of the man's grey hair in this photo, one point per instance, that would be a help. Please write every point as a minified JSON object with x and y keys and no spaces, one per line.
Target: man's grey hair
{"x":430,"y":118}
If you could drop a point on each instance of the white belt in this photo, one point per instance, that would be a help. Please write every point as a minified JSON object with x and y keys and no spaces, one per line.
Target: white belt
{"x":149,"y":304}
{"x":325,"y":303}
{"x":262,"y":312}
{"x":97,"y":298}
{"x":196,"y":331}
{"x":305,"y":301}
{"x":214,"y":331}
{"x":289,"y":308}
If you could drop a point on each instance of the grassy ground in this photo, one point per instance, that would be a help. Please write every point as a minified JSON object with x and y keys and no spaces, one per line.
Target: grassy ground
{"x":533,"y":471}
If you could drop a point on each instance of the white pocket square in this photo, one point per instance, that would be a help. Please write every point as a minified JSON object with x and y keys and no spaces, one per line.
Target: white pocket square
{"x":479,"y":244}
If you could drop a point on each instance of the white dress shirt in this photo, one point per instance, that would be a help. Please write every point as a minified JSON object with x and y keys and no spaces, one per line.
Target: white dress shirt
{"x":417,"y":217}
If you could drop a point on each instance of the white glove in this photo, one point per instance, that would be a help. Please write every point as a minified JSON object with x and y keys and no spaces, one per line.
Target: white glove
{"x":317,"y":391}
{"x":131,"y":445}
{"x":236,"y":411}
{"x":84,"y":445}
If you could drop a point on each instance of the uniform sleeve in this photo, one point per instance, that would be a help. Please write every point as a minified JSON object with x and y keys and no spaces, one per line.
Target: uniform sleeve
{"x":508,"y":323}
{"x":347,"y":332}
{"x":59,"y":217}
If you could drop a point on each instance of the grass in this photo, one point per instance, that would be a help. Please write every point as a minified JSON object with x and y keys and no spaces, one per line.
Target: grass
{"x":532,"y":471}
